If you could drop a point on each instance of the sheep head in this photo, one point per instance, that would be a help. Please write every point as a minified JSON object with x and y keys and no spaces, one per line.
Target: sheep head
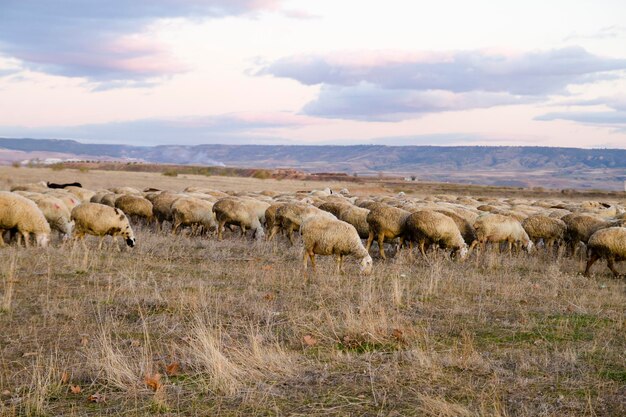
{"x":365,"y":266}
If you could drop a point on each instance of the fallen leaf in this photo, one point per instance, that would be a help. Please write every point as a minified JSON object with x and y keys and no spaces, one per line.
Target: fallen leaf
{"x":135,"y":343}
{"x":65,"y":377}
{"x":6,"y":393}
{"x":309,"y":340}
{"x":96,"y":398}
{"x":269,"y":296}
{"x":172,"y":369}
{"x":84,"y":341}
{"x":267,"y":267}
{"x":153,"y":381}
{"x":75,"y":389}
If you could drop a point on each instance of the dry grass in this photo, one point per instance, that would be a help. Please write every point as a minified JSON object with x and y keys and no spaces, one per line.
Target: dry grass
{"x":235,"y":328}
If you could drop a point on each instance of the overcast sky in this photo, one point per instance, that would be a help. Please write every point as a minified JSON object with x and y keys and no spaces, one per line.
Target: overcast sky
{"x":315,"y":72}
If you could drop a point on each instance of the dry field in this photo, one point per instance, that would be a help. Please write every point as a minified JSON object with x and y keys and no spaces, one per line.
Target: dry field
{"x":193,"y":326}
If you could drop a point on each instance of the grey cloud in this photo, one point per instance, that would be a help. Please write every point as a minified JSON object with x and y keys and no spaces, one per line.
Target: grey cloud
{"x":606,"y":118}
{"x":532,"y":73}
{"x":370,"y":102}
{"x":86,"y":38}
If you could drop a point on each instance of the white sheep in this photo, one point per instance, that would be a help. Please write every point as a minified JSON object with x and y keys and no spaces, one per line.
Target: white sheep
{"x":239,"y":212}
{"x":428,"y":227}
{"x":193,"y":212}
{"x":497,"y":228}
{"x":608,"y":243}
{"x":100,"y":220}
{"x":21,"y":214}
{"x":56,"y":213}
{"x":326,"y":236}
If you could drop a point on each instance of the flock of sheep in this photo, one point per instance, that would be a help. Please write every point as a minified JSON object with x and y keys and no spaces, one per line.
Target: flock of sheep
{"x":329,"y":223}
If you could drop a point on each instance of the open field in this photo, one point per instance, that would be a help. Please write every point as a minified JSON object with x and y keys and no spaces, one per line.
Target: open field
{"x":236,"y":328}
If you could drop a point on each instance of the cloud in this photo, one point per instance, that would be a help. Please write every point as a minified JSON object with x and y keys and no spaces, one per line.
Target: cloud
{"x":608,"y":32}
{"x":531,"y":73}
{"x":393,"y":85}
{"x":615,"y":117}
{"x":371,"y":102}
{"x":604,"y":118}
{"x":244,"y":127}
{"x":103,"y":41}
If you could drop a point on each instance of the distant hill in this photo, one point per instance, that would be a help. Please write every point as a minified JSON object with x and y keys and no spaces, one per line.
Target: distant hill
{"x":506,"y":165}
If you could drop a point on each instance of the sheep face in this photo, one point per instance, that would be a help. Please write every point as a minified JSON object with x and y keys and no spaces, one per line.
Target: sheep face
{"x":127,"y":234}
{"x":365,"y":266}
{"x":43,"y":239}
{"x":463,"y":252}
{"x":529,"y":246}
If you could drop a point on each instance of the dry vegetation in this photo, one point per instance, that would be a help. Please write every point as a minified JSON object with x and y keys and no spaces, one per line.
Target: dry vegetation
{"x":195,"y":326}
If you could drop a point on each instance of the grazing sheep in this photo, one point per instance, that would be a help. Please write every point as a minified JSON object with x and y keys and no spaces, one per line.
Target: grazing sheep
{"x":193,"y":212}
{"x":162,"y":206}
{"x":82,"y":193}
{"x":55,"y":212}
{"x":608,"y":243}
{"x":290,"y":216}
{"x":135,"y":207}
{"x":109,"y":199}
{"x":333,"y":207}
{"x":497,"y":228}
{"x":327,"y":236}
{"x":239,"y":212}
{"x":69,"y":199}
{"x":270,"y":216}
{"x":38,"y":187}
{"x":465,"y":227}
{"x":428,"y":227}
{"x":101,"y":220}
{"x":385,"y":222}
{"x":543,"y":227}
{"x":18,"y":212}
{"x":357,"y":217}
{"x":125,"y":190}
{"x":580,"y":227}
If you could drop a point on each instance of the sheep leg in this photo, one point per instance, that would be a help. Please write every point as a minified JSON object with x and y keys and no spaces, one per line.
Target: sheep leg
{"x":370,"y":239}
{"x":611,"y":264}
{"x":422,"y":243}
{"x":381,"y":248}
{"x":312,"y":256}
{"x":290,"y":235}
{"x":510,"y":245}
{"x":243,"y":231}
{"x":592,"y":259}
{"x":340,"y":264}
{"x":220,"y":230}
{"x":305,"y":259}
{"x":100,"y":243}
{"x":272,"y":232}
{"x":175,"y":228}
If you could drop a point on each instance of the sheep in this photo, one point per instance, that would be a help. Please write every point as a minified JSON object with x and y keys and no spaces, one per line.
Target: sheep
{"x":55,"y":212}
{"x":465,"y":227}
{"x":497,"y":228}
{"x":18,"y":212}
{"x":327,"y":236}
{"x":69,"y":199}
{"x":38,"y":187}
{"x":580,"y":227}
{"x":608,"y":243}
{"x":82,"y":193}
{"x":290,"y":216}
{"x":100,"y":220}
{"x":109,"y":199}
{"x":385,"y":222}
{"x":162,"y":206}
{"x":239,"y":212}
{"x":270,"y":216}
{"x":357,"y":217}
{"x":135,"y":207}
{"x":428,"y":227}
{"x":333,"y":207}
{"x":548,"y":229}
{"x":194,"y":212}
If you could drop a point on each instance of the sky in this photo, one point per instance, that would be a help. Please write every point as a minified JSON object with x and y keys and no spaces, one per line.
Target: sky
{"x":153,"y":72}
